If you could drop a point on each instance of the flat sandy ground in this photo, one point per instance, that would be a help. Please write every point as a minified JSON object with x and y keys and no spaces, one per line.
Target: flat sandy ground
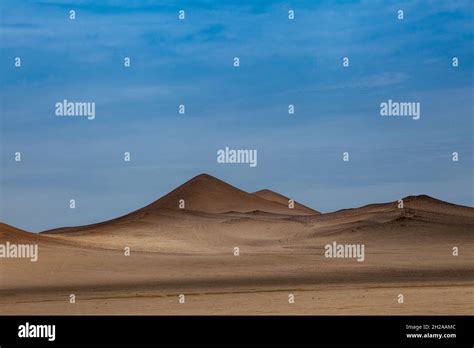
{"x":107,"y":282}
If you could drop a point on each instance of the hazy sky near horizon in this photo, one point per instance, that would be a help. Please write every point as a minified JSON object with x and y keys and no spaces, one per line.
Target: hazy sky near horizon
{"x":190,"y":62}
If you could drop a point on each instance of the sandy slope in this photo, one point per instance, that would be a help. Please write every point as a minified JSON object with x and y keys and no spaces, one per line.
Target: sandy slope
{"x":190,"y":252}
{"x":208,"y":194}
{"x":276,"y":197}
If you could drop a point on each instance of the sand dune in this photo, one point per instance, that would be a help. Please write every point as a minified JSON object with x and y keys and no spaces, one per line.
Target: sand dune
{"x":16,"y":235}
{"x":191,"y":251}
{"x":208,"y":194}
{"x":276,"y":197}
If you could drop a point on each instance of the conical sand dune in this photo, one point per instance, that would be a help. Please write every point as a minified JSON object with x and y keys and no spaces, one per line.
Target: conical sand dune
{"x":208,"y":194}
{"x":202,"y":194}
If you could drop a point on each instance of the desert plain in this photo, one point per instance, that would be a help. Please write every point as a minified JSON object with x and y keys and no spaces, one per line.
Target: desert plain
{"x":208,"y":248}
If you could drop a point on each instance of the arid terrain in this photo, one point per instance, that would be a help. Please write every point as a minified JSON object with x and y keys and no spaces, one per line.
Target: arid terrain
{"x":281,"y":251}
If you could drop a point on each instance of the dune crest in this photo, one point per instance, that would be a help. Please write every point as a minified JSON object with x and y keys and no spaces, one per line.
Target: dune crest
{"x":279,"y":198}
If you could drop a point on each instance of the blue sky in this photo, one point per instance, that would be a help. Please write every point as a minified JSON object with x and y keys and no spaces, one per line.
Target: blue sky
{"x":190,"y":62}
